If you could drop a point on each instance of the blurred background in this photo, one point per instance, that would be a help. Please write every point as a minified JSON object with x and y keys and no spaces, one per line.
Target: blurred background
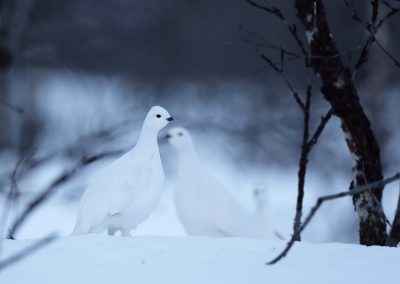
{"x":79,"y":76}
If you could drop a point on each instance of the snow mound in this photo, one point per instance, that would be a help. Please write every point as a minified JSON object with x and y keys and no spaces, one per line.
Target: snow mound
{"x":104,"y":259}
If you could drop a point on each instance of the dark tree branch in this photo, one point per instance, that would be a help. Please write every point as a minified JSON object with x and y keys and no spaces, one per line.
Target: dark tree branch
{"x":363,"y":57}
{"x":12,"y":193}
{"x":293,"y":31}
{"x":51,"y":189}
{"x":291,"y":28}
{"x":372,"y":27}
{"x":307,"y":146}
{"x":262,"y":42}
{"x":320,"y":128}
{"x":375,"y":11}
{"x":28,"y":251}
{"x":274,"y":66}
{"x":392,"y":11}
{"x":267,"y":8}
{"x":322,"y":199}
{"x":37,"y":245}
{"x":296,"y":96}
{"x":99,"y":137}
{"x":8,"y":201}
{"x":387,"y":53}
{"x":279,"y":70}
{"x":305,"y":150}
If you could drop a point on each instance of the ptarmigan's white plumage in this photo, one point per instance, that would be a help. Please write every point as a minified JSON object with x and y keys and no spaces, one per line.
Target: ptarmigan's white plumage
{"x":204,"y":206}
{"x":123,"y":194}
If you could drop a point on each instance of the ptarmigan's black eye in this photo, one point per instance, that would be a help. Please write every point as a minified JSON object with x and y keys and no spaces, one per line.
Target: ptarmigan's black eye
{"x":158,"y":115}
{"x":180,"y":134}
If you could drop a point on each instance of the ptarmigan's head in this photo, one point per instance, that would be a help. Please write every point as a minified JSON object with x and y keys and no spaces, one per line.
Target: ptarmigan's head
{"x":260,"y":194}
{"x":180,"y":138}
{"x":158,"y":117}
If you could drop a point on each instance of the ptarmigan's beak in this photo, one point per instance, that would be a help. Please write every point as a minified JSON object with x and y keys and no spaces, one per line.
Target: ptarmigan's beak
{"x":170,"y":118}
{"x":167,"y":136}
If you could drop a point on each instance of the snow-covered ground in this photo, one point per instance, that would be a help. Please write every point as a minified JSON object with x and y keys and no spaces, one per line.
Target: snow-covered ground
{"x":334,"y":222}
{"x":103,"y":259}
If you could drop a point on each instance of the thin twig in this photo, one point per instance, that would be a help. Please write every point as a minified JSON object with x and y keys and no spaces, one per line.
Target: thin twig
{"x":320,"y":128}
{"x":279,"y":70}
{"x":28,"y":251}
{"x":267,"y":8}
{"x":13,"y":191}
{"x":375,"y":11}
{"x":392,"y":11}
{"x":51,"y":189}
{"x":372,"y":27}
{"x":363,"y":57}
{"x":293,"y":31}
{"x":291,"y":28}
{"x":320,"y":200}
{"x":272,"y":64}
{"x":263,"y":42}
{"x":303,"y":164}
{"x":387,"y":53}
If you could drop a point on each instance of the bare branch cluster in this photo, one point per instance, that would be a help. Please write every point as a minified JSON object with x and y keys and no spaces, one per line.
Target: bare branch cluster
{"x":372,"y":26}
{"x":338,"y":88}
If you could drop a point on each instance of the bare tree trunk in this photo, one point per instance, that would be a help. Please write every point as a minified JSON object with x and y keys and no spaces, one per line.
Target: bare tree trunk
{"x":338,"y":89}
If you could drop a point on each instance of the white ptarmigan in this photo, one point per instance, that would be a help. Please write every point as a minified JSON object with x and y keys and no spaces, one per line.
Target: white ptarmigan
{"x":204,"y":206}
{"x":124,"y":193}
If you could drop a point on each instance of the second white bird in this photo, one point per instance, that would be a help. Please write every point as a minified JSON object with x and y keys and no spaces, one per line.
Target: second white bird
{"x":204,"y":206}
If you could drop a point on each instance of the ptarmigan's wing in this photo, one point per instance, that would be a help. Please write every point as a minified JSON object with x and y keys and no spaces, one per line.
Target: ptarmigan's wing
{"x":121,"y":184}
{"x":110,"y":192}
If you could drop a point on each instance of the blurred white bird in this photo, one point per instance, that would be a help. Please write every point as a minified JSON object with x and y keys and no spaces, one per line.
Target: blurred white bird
{"x":262,"y":221}
{"x":204,"y":206}
{"x":124,"y":193}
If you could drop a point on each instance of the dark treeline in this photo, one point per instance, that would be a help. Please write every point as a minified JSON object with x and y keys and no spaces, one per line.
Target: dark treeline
{"x":162,"y":44}
{"x":172,"y":40}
